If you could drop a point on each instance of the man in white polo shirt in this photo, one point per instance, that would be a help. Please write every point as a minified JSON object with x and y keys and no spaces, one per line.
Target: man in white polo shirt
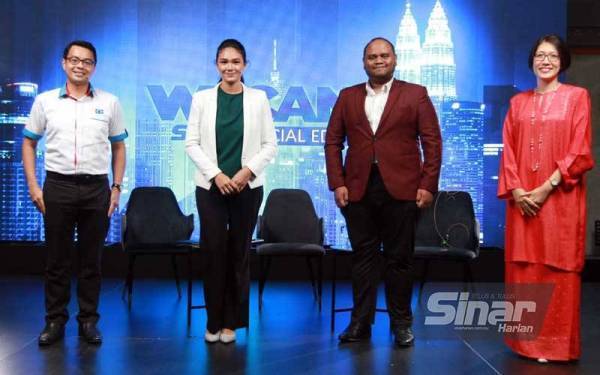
{"x":82,"y":126}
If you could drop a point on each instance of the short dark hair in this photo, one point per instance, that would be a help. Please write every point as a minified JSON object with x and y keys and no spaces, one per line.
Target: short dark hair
{"x":561,"y":47}
{"x":231,"y":43}
{"x":378,"y":38}
{"x":80,"y":43}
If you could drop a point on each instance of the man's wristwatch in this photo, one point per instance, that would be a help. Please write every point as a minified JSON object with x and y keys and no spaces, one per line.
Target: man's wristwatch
{"x":116,"y":186}
{"x":554,"y":183}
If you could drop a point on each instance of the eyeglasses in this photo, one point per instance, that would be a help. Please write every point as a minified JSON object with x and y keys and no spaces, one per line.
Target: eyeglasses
{"x":88,"y":63}
{"x":551,"y":57}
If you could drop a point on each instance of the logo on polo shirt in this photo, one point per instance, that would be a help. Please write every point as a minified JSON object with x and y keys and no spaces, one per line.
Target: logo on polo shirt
{"x":99,"y":111}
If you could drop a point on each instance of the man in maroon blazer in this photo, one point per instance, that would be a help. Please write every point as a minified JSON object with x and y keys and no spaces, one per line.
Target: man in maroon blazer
{"x":382,"y":183}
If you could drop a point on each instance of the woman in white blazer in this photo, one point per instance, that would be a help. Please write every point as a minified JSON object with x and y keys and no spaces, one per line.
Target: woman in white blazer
{"x":231,"y":139}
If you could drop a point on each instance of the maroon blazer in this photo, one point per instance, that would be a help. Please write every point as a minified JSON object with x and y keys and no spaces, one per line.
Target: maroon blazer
{"x":408,"y":119}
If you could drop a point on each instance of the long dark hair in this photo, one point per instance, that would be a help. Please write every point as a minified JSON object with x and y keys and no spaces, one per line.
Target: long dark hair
{"x":236,"y":45}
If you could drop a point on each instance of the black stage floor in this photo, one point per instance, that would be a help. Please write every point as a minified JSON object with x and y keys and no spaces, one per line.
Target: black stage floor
{"x":289,"y":337}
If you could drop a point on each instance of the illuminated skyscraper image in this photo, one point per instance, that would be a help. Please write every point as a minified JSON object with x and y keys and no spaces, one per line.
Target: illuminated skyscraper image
{"x":302,"y":58}
{"x":19,"y":219}
{"x":153,"y":154}
{"x":408,"y":49}
{"x":461,"y":122}
{"x":462,"y":164}
{"x":497,"y":100}
{"x":275,"y":78}
{"x":438,"y":70}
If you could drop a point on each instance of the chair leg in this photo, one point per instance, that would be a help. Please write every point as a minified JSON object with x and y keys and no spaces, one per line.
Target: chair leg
{"x":311,"y":274}
{"x":320,"y":281}
{"x":189,"y":289}
{"x":268,"y":268}
{"x":264,"y":264}
{"x":126,"y":283}
{"x":260,"y":281}
{"x":130,"y":279}
{"x":176,"y":274}
{"x":423,"y":277}
{"x":333,"y":281}
{"x":267,"y":271}
{"x":467,"y":275}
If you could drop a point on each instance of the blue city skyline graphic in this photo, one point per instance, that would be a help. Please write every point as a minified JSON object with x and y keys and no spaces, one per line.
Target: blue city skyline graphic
{"x":433,"y":45}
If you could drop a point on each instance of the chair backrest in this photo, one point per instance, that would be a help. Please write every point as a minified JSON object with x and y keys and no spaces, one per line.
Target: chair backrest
{"x":449,"y":222}
{"x":154,"y":217}
{"x":289,"y":216}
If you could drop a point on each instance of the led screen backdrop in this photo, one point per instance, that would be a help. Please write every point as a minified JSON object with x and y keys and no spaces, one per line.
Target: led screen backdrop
{"x":153,"y":54}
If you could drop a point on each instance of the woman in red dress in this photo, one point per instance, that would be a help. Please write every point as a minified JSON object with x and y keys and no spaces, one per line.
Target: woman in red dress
{"x":547,"y":150}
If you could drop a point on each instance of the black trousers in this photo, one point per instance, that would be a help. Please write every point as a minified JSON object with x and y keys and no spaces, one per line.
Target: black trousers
{"x":226,"y":226}
{"x":376,"y":220}
{"x":74,"y":203}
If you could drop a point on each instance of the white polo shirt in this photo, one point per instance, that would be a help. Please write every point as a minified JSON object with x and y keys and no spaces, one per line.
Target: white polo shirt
{"x":78,"y":131}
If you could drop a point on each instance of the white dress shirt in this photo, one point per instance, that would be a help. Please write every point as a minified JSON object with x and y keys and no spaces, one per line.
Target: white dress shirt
{"x":78,"y":131}
{"x":375,"y":103}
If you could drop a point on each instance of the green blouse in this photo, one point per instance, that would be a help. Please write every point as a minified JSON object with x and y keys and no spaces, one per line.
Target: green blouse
{"x":229,"y":131}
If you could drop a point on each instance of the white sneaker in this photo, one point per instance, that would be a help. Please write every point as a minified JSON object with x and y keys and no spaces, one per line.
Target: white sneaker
{"x":212,"y":337}
{"x":227,"y":338}
{"x":542,"y":360}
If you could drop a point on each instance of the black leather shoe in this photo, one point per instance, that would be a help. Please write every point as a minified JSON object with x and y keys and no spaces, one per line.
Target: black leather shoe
{"x":403,"y":336}
{"x":355,"y":332}
{"x":52,"y":333}
{"x":90,"y":333}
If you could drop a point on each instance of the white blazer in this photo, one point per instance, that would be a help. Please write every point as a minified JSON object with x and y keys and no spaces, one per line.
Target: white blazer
{"x":259,"y":146}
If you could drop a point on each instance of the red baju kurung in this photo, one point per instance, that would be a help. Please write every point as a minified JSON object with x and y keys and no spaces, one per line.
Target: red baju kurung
{"x":543,"y":132}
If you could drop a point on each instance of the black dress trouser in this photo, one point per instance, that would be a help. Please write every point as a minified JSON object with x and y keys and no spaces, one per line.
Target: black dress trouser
{"x":74,"y":202}
{"x":379,"y":219}
{"x":226,"y":226}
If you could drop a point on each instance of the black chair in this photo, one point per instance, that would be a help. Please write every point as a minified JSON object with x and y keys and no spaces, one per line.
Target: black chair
{"x":448,"y":231}
{"x":289,"y":226}
{"x":154,"y":225}
{"x":335,"y":252}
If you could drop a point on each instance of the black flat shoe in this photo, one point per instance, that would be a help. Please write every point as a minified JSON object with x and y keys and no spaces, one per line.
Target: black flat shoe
{"x":90,"y":334}
{"x":355,"y":332}
{"x":403,"y":336}
{"x":52,"y":333}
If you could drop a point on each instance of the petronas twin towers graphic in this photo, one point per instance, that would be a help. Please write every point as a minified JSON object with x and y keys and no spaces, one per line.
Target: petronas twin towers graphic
{"x":430,"y":64}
